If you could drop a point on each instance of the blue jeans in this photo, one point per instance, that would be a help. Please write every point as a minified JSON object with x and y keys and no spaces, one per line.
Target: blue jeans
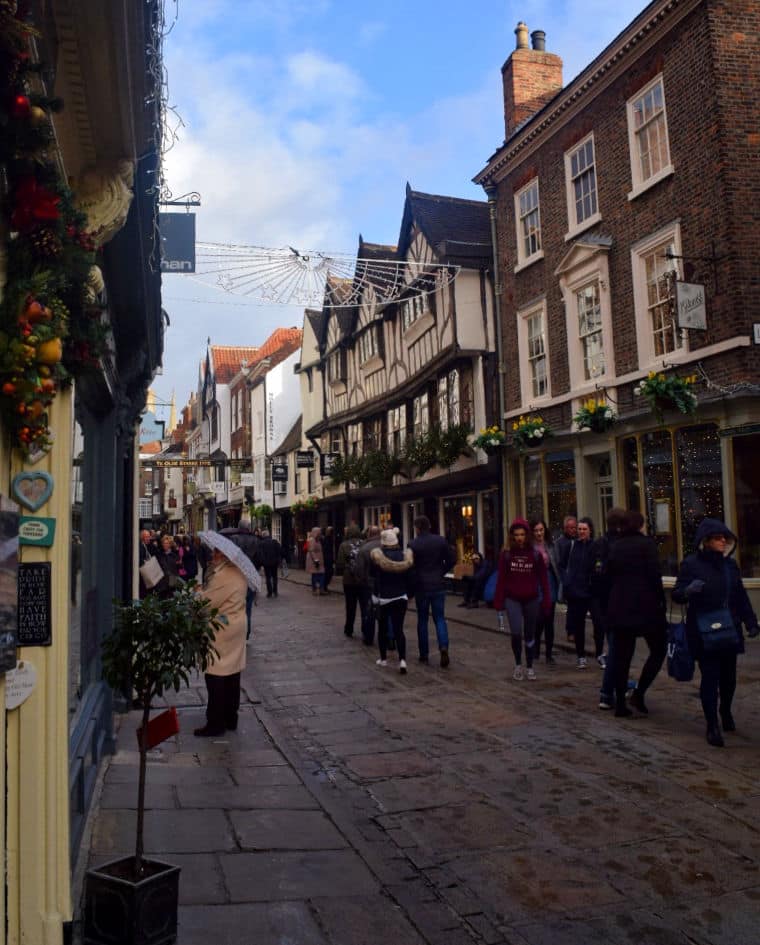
{"x":250,"y":596}
{"x":435,"y":601}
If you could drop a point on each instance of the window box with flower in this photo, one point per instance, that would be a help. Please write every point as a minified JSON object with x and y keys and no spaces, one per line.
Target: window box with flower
{"x":490,"y":439}
{"x":529,"y":432}
{"x":667,"y":392}
{"x":595,"y":414}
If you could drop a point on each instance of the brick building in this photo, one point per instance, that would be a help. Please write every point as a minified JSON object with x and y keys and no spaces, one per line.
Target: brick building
{"x":640,"y":174}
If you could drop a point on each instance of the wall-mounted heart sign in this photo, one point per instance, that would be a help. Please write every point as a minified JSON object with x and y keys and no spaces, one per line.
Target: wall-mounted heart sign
{"x":33,"y":489}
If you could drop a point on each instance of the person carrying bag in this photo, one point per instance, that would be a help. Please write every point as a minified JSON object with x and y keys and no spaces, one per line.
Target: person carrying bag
{"x":710,"y":584}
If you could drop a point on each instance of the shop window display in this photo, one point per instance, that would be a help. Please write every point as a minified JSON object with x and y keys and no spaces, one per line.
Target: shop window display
{"x":746,"y":450}
{"x":459,"y":521}
{"x":561,"y":492}
{"x":700,"y":479}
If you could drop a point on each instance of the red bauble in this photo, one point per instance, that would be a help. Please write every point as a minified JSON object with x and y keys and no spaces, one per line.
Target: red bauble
{"x":21,"y":107}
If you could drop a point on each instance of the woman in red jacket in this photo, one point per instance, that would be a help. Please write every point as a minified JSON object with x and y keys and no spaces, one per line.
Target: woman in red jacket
{"x":522,"y":589}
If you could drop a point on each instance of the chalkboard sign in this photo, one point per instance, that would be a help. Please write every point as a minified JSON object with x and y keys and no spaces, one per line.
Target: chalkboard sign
{"x":34,"y":604}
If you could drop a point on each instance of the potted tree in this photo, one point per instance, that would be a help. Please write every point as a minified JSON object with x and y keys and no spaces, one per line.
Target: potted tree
{"x":154,"y":647}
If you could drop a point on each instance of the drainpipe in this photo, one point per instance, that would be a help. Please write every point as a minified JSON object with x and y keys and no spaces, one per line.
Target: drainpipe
{"x":490,"y":190}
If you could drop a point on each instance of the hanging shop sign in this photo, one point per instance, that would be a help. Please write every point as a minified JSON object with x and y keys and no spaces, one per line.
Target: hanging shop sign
{"x":36,"y":531}
{"x":690,"y":303}
{"x":279,"y":472}
{"x":192,"y":463}
{"x":326,"y":463}
{"x":304,"y":459}
{"x":219,"y":489}
{"x":177,"y":242}
{"x":34,"y":625}
{"x":247,"y":479}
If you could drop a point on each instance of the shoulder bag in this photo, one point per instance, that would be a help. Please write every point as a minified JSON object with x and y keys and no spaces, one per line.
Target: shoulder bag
{"x":151,"y":572}
{"x":717,"y":629}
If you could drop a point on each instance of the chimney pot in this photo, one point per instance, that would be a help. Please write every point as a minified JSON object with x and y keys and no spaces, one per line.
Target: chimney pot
{"x":521,"y":32}
{"x":538,"y":39}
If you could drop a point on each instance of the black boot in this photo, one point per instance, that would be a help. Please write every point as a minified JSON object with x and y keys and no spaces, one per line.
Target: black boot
{"x":728,"y":721}
{"x":714,"y":737}
{"x":637,"y":701}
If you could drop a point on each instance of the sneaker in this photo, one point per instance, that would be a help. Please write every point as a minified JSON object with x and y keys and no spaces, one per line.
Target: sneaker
{"x":518,"y":673}
{"x":444,"y":657}
{"x":381,"y":662}
{"x":402,"y":667}
{"x":531,"y":673}
{"x":637,"y":701}
{"x":602,"y":660}
{"x":581,"y":662}
{"x":605,"y":705}
{"x":550,"y":661}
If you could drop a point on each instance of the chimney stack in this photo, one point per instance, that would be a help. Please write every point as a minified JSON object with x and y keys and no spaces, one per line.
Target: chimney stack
{"x":531,"y":78}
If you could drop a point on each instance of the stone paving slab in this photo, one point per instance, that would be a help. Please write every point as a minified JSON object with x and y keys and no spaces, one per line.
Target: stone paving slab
{"x":364,"y":920}
{"x":285,"y":830}
{"x":245,"y":797}
{"x":406,"y":794}
{"x":165,"y":831}
{"x":263,"y":775}
{"x":268,"y":877}
{"x":201,"y":879}
{"x":395,"y":764}
{"x":123,"y":794}
{"x":168,"y":774}
{"x":277,"y":923}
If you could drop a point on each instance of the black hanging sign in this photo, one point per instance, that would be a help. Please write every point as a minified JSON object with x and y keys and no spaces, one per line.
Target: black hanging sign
{"x":279,"y":472}
{"x":177,"y":242}
{"x":326,"y":463}
{"x":304,"y":459}
{"x":34,"y":599}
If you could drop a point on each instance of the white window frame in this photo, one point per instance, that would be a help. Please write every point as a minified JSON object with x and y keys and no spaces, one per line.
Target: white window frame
{"x":590,"y":290}
{"x":639,"y":182}
{"x":525,"y":258}
{"x":421,"y":414}
{"x":576,"y":226}
{"x":669,"y":235}
{"x":526,"y":378}
{"x":413,"y":308}
{"x":591,"y":265}
{"x":443,"y":402}
{"x":396,"y":425}
{"x":535,"y":357}
{"x":354,"y":439}
{"x":368,"y":344}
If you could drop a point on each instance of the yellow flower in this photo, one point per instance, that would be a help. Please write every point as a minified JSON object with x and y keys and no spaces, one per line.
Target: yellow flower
{"x":514,"y":426}
{"x":651,"y":375}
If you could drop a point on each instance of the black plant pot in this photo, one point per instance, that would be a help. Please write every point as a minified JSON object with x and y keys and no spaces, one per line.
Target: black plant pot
{"x":121,"y":910}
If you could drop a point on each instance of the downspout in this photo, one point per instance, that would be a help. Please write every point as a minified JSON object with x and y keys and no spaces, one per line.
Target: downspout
{"x":490,"y":190}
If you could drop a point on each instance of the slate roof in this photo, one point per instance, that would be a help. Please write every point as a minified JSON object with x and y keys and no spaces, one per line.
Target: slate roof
{"x":447,"y":223}
{"x":293,"y":440}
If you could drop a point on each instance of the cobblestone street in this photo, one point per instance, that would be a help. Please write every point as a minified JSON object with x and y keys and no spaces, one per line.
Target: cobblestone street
{"x":356,"y":806}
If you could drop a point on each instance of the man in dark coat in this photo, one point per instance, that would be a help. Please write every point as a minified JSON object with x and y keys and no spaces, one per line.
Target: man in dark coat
{"x":433,"y":558}
{"x":271,"y":557}
{"x":635,"y":607}
{"x":363,"y":576}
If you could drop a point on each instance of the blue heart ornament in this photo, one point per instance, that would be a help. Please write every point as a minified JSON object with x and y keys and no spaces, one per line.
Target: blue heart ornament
{"x":32,"y":489}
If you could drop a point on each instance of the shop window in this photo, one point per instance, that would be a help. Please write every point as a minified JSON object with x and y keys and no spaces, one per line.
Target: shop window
{"x":700,"y":479}
{"x":631,"y":473}
{"x":534,"y":487}
{"x":459,"y":522}
{"x":659,"y":496}
{"x":747,"y":485}
{"x":561,"y":492}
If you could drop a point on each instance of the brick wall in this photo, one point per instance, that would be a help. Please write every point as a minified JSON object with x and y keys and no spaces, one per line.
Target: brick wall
{"x":709,"y":67}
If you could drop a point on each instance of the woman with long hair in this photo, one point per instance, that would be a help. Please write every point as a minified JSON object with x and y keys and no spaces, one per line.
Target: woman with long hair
{"x":542,"y":542}
{"x":315,"y":562}
{"x":522,"y":590}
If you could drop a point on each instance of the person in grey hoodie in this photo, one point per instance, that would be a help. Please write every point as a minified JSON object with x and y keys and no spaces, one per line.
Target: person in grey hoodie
{"x":362,"y":575}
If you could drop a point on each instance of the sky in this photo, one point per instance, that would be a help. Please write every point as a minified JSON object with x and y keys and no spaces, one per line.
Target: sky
{"x":300,"y":124}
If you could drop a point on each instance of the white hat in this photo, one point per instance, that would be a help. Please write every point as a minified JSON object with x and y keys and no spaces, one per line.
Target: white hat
{"x":389,"y":538}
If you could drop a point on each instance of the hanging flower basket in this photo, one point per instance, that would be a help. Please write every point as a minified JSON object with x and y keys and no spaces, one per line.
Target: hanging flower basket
{"x":668,"y":392}
{"x":596,"y":415}
{"x":529,"y":432}
{"x":490,"y":439}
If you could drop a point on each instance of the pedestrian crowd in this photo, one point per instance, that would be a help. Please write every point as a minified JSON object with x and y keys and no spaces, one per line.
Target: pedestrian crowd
{"x":614,"y":580}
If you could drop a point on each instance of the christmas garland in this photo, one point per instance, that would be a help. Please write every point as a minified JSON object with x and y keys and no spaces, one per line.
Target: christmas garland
{"x":50,"y":327}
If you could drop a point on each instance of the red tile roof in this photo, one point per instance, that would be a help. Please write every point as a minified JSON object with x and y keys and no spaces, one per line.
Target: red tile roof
{"x":227,"y":360}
